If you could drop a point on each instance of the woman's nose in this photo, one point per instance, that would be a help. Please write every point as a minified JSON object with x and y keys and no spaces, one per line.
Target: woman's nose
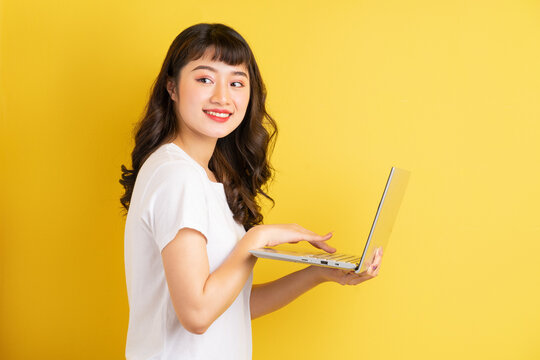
{"x":221,"y":94}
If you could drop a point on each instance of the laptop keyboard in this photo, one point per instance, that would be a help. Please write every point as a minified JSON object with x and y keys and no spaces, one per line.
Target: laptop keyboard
{"x":342,"y":258}
{"x":336,"y":257}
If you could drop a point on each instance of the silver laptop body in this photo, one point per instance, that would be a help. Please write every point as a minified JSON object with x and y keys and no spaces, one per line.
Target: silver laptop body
{"x":378,"y":236}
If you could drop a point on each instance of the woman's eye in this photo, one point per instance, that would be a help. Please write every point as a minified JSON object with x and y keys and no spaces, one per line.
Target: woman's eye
{"x":203,"y":80}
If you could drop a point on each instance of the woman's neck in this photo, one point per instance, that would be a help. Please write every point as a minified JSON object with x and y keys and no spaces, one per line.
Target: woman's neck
{"x":199,"y":151}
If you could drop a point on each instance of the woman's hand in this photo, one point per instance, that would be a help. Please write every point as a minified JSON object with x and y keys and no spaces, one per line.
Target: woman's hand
{"x":275,"y":234}
{"x":349,"y":277}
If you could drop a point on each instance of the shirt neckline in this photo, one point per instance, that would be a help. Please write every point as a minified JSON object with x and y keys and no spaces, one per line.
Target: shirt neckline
{"x":215,"y":183}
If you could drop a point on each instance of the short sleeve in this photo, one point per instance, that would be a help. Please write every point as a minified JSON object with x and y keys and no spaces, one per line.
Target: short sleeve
{"x":175,"y":198}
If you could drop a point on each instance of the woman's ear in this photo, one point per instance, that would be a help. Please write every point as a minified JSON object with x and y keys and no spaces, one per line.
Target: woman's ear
{"x":171,"y":89}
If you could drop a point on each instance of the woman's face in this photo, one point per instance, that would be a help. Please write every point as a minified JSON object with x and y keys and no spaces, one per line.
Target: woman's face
{"x":207,"y":85}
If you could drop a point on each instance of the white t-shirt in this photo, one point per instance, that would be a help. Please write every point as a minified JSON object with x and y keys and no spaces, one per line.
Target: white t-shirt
{"x":173,"y":191}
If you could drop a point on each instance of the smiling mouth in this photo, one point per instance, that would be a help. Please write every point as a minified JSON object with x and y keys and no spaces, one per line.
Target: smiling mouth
{"x":218,"y":118}
{"x":219,"y":114}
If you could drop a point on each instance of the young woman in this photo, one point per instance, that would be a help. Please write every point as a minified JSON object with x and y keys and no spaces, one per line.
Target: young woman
{"x":200,"y":159}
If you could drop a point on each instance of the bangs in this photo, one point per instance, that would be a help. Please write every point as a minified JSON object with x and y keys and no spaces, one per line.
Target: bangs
{"x":228,"y":49}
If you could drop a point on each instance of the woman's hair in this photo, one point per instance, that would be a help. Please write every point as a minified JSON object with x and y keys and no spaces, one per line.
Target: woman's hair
{"x":240,"y":158}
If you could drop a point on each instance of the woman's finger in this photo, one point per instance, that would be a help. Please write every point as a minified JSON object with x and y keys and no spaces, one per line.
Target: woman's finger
{"x":355,"y":279}
{"x":374,"y":266}
{"x":319,"y":241}
{"x":323,"y":246}
{"x":378,"y":261}
{"x":374,"y":256}
{"x":313,"y":236}
{"x":302,"y":236}
{"x":352,"y":278}
{"x":379,"y":254}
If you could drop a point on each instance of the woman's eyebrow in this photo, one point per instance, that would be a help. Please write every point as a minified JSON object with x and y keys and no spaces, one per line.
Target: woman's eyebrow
{"x":241,"y":73}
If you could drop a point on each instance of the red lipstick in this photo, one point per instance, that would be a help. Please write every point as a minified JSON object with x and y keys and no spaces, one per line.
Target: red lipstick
{"x":217,"y":118}
{"x":218,"y":110}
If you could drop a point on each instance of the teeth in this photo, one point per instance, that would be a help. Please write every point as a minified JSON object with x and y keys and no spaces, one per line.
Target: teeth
{"x":217,"y":114}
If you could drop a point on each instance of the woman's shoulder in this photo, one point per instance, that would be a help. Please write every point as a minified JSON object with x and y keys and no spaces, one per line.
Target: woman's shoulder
{"x":164,"y":164}
{"x":166,"y":159}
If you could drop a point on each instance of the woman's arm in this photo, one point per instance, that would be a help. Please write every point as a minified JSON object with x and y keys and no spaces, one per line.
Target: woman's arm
{"x":268,"y":297}
{"x":198,"y":296}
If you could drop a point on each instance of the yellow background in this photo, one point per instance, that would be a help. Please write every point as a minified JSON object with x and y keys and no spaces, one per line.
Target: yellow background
{"x":449,"y":90}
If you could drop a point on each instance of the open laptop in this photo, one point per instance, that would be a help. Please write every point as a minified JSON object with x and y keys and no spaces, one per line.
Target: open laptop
{"x":378,"y":236}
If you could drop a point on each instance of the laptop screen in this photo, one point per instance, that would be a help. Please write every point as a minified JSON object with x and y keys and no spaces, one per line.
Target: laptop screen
{"x":385,"y":216}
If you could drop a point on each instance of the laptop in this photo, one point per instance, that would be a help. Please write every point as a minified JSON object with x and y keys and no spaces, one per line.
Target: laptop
{"x":377,"y":239}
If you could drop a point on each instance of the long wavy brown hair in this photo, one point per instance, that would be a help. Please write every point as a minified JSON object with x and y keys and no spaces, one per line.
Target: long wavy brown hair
{"x":241,"y":159}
